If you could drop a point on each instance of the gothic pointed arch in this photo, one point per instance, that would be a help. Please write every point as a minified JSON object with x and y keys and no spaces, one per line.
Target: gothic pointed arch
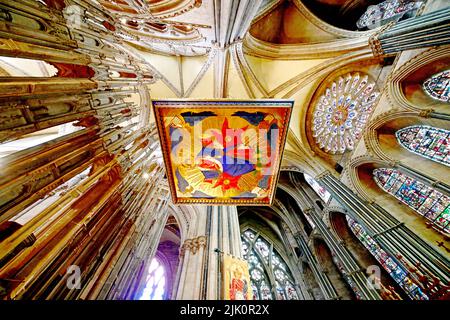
{"x":334,"y":270}
{"x":410,"y":140}
{"x":271,"y":278}
{"x":418,"y":83}
{"x":361,"y":179}
{"x":160,"y":279}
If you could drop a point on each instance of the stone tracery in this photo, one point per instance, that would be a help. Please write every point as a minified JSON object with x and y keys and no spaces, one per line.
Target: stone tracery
{"x":438,"y":86}
{"x":342,"y":112}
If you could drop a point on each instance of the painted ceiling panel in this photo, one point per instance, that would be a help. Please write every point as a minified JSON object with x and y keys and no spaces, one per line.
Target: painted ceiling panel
{"x":222,"y":152}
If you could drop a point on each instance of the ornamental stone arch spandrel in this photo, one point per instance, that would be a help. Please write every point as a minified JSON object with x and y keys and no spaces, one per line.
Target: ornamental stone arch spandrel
{"x":405,"y":85}
{"x":336,"y":103}
{"x":381,"y":141}
{"x":161,"y":9}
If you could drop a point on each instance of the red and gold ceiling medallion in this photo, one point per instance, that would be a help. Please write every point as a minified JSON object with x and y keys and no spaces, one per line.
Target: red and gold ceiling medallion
{"x":222,"y":151}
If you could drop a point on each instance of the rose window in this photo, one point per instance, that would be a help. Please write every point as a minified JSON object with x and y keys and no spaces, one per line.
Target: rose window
{"x":342,"y":112}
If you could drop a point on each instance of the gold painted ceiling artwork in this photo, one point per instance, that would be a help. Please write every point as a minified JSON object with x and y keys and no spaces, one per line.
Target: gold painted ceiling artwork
{"x":222,"y":152}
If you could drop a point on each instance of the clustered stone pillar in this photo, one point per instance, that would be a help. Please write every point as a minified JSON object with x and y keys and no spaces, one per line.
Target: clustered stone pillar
{"x":349,"y":267}
{"x":213,"y":232}
{"x":428,"y":30}
{"x":394,"y":237}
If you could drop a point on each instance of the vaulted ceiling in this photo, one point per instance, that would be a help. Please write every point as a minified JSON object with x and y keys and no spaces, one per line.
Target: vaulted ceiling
{"x":244,"y":49}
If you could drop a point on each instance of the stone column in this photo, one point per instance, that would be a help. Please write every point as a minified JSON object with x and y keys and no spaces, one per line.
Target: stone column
{"x":322,"y":280}
{"x":215,"y":231}
{"x":394,"y":237}
{"x":351,"y":269}
{"x":428,"y":30}
{"x":438,"y":115}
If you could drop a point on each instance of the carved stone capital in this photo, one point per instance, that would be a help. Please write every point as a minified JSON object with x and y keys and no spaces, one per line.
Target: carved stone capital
{"x":375,"y":45}
{"x":193,"y":245}
{"x":425,"y":113}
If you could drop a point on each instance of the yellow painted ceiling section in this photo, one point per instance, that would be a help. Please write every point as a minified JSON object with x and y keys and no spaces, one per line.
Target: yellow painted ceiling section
{"x":167,"y":65}
{"x":272,"y":73}
{"x":205,"y":88}
{"x":191,"y":67}
{"x":236,"y":89}
{"x":160,"y":90}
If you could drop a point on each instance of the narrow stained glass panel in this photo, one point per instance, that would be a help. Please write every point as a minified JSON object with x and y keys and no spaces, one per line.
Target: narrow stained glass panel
{"x":429,"y":142}
{"x":426,"y":201}
{"x":156,"y":282}
{"x":321,"y":191}
{"x":389,"y":264}
{"x":438,"y":86}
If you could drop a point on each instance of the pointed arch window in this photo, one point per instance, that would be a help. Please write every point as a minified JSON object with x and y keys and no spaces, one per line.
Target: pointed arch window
{"x":155,"y":288}
{"x":321,"y":191}
{"x":426,"y":141}
{"x":430,"y":203}
{"x":387,"y":11}
{"x":388,"y":263}
{"x":267,"y":269}
{"x":438,"y":86}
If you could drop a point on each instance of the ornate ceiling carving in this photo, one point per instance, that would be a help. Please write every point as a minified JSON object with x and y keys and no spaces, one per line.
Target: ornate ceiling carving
{"x":157,"y":8}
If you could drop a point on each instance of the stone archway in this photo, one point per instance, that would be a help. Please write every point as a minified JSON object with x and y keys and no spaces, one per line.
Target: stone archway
{"x":365,"y":259}
{"x":329,"y":266}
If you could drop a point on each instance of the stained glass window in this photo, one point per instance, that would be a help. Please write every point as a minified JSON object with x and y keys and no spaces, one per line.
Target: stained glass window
{"x":387,"y":11}
{"x":438,"y":86}
{"x":156,"y":282}
{"x":347,"y":277}
{"x":428,"y":202}
{"x":321,"y":191}
{"x":267,"y":269}
{"x":396,"y":271}
{"x":342,"y":112}
{"x":429,"y":142}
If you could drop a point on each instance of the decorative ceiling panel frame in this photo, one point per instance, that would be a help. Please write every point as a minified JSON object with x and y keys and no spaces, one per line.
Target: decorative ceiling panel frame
{"x":223,"y":152}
